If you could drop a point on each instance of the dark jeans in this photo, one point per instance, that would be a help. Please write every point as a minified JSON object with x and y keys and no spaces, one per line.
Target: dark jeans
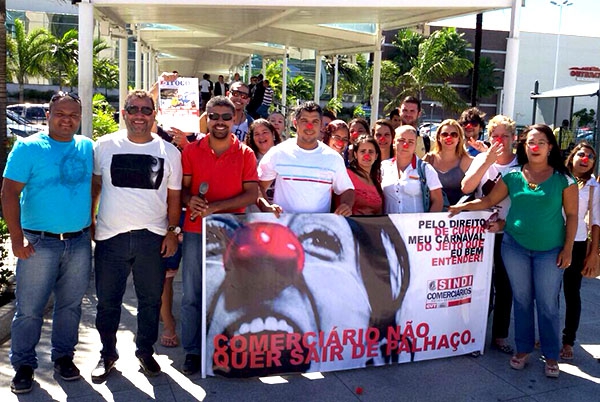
{"x":138,"y":252}
{"x":501,"y":292}
{"x":571,"y":287}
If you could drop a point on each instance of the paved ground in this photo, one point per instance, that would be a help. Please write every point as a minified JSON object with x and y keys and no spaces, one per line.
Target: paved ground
{"x":464,"y":378}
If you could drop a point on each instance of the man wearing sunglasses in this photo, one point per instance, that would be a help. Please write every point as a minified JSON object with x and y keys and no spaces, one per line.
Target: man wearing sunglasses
{"x":219,"y":175}
{"x":137,"y":183}
{"x":46,"y":201}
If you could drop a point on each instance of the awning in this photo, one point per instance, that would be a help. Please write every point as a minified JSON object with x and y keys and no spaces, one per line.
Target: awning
{"x":198,"y":36}
{"x":591,"y":89}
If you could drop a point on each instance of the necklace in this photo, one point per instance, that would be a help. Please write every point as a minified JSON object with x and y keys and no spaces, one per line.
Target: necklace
{"x":532,"y":186}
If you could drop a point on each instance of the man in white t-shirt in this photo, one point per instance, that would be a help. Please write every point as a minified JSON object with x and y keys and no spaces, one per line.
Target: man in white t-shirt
{"x":306,"y":171}
{"x":137,"y":185}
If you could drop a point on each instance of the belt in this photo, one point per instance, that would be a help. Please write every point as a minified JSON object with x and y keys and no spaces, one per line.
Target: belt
{"x":60,"y":236}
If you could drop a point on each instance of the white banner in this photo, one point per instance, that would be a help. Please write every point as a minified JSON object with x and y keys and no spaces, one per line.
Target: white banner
{"x":320,"y":292}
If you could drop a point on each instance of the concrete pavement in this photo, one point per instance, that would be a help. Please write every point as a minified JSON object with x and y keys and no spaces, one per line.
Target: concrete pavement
{"x":463,"y":378}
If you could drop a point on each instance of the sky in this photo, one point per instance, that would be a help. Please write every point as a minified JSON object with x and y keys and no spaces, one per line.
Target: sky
{"x":582,"y":18}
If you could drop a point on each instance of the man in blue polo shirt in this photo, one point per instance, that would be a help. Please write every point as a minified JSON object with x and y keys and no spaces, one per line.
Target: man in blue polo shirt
{"x":46,"y":201}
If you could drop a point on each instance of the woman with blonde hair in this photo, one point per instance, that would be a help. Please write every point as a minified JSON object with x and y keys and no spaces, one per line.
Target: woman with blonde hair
{"x":449,"y":158}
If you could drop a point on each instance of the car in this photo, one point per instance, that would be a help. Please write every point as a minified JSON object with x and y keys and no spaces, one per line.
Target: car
{"x":34,"y":112}
{"x":20,"y":126}
{"x":428,"y":129}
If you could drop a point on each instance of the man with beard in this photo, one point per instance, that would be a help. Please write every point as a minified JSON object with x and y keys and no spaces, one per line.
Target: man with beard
{"x":137,"y":182}
{"x":410,"y":111}
{"x":228,"y":167}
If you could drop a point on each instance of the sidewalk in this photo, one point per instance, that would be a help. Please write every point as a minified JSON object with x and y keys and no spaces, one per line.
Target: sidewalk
{"x":464,"y":378}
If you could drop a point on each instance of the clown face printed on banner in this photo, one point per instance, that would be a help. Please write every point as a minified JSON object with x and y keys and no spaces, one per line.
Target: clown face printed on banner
{"x":306,"y":292}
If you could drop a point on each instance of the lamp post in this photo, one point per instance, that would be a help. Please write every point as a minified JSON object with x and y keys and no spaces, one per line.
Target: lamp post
{"x":560,"y":5}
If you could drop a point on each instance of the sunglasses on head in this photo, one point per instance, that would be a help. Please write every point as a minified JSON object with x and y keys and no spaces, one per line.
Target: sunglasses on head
{"x":145,"y":110}
{"x":217,"y":116}
{"x":446,"y":135}
{"x":240,"y":94}
{"x":61,"y":94}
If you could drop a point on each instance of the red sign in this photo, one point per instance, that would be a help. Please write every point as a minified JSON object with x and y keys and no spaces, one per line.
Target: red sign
{"x":585,"y":72}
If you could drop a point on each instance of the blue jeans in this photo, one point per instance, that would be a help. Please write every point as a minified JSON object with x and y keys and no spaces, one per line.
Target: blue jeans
{"x":191,"y":301}
{"x":263,"y":111}
{"x":137,"y":252}
{"x":58,"y":266}
{"x":534,"y":276}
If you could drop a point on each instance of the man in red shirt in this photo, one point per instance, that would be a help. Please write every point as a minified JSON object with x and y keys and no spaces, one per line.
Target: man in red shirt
{"x":229,"y":169}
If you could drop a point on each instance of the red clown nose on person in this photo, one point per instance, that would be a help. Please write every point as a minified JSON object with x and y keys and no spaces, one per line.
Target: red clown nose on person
{"x":309,"y":126}
{"x":405,"y":145}
{"x":367,"y":158}
{"x":534,"y":147}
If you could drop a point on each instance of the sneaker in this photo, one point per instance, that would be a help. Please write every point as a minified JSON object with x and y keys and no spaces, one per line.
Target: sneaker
{"x":191,"y":364}
{"x":22,"y":382}
{"x":103,"y":369}
{"x":149,"y":366}
{"x":66,"y":369}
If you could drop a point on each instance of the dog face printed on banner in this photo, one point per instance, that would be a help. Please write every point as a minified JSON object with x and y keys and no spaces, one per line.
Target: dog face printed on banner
{"x":269,"y":281}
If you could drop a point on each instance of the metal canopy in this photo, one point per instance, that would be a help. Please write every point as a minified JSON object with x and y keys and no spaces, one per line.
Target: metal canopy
{"x":591,"y":89}
{"x":198,"y":36}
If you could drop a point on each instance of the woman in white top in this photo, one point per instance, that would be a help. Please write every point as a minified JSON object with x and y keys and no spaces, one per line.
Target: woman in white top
{"x":581,"y":163}
{"x":400,"y":178}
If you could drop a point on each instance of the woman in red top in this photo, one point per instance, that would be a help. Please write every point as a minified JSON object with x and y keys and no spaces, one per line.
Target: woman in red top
{"x":364,"y":171}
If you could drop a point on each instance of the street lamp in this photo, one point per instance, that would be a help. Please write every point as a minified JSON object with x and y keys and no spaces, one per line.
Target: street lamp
{"x":562,"y":4}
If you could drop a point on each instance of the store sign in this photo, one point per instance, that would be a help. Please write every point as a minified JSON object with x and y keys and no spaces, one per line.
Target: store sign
{"x":585,"y":73}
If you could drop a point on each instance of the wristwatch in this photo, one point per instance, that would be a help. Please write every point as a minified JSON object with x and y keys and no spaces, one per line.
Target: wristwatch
{"x":174,"y":229}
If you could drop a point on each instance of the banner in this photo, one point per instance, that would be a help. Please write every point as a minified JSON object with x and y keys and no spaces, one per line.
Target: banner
{"x":178,"y":103}
{"x":320,"y":292}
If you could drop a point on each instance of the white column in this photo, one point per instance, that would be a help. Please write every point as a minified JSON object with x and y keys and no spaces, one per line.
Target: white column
{"x":511,"y":63}
{"x":376,"y":77}
{"x":249,"y":67}
{"x":284,"y":69}
{"x":264,"y":67}
{"x":86,"y":69}
{"x":145,"y":67}
{"x":123,"y":67}
{"x":335,"y":75}
{"x":138,"y":61}
{"x":317,"y":97}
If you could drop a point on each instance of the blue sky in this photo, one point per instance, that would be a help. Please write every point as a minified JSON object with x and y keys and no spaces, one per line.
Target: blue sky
{"x":582,"y":18}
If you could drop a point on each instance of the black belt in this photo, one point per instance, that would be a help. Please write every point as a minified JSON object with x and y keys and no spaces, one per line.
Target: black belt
{"x":60,"y":236}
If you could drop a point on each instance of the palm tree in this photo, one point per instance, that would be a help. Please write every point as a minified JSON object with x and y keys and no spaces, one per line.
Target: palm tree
{"x":441,"y":56}
{"x":26,"y":58}
{"x":62,"y":58}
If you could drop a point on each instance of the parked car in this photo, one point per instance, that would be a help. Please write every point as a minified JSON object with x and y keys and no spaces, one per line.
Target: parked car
{"x":34,"y":112}
{"x":20,"y":126}
{"x":428,"y":129}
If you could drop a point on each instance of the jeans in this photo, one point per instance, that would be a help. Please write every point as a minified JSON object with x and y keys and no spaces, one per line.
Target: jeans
{"x":571,"y":288}
{"x":534,"y":275}
{"x":502,"y":293}
{"x":57,"y":266}
{"x":191,"y":301}
{"x":137,"y":252}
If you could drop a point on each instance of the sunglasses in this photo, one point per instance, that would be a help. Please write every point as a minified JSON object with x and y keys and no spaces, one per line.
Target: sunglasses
{"x":61,"y":94}
{"x":145,"y":110}
{"x":239,"y":94}
{"x":446,"y":135}
{"x":582,"y":154}
{"x":338,"y":138}
{"x":469,"y":123}
{"x":217,"y":116}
